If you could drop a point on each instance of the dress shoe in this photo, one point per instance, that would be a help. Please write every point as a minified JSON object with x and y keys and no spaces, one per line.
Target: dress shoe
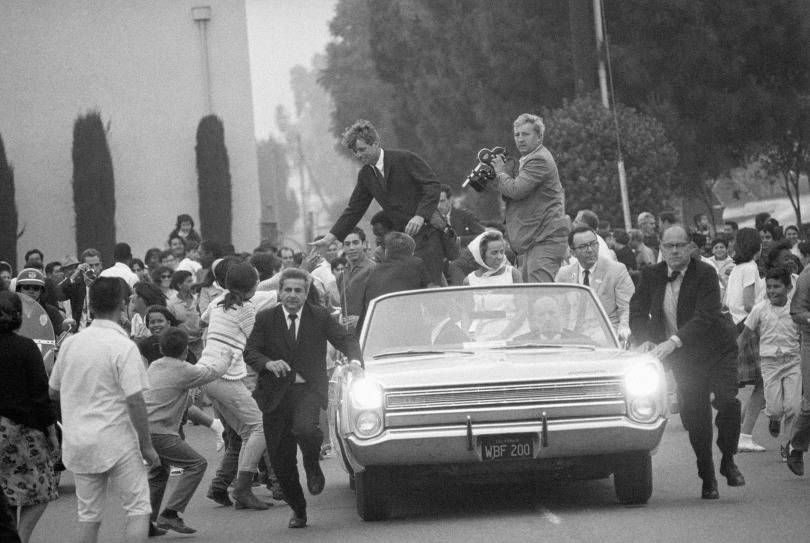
{"x":174,"y":523}
{"x":315,"y":481}
{"x":709,"y":490}
{"x":298,"y":521}
{"x":795,"y":462}
{"x":154,"y":531}
{"x":275,"y":488}
{"x":220,"y":496}
{"x":731,"y":472}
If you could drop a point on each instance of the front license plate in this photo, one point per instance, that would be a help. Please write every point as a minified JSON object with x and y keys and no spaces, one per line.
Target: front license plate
{"x":507,"y":447}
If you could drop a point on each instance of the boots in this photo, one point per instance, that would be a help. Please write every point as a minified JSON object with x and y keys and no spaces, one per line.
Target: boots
{"x":243,"y":495}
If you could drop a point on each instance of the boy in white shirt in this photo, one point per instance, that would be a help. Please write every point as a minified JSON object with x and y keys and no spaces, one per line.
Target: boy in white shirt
{"x":780,"y":358}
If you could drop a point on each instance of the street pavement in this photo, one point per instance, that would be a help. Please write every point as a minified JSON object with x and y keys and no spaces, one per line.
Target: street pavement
{"x":773,"y":506}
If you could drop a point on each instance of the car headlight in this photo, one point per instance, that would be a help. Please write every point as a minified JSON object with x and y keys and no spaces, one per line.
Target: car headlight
{"x":643,"y":409}
{"x":368,"y":423}
{"x":642,"y":381}
{"x":366,"y":394}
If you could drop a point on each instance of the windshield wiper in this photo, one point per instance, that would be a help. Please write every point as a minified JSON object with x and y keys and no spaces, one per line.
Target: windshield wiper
{"x":414,"y":352}
{"x":548,"y":346}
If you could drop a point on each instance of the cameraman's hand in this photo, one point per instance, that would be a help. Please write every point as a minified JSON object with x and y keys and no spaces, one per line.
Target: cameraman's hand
{"x":498,"y":164}
{"x":414,"y":225}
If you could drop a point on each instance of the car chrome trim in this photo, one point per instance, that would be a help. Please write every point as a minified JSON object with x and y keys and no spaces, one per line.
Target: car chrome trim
{"x":521,"y":393}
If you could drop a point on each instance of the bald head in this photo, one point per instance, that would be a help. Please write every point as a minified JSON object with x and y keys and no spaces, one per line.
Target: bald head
{"x":675,"y":247}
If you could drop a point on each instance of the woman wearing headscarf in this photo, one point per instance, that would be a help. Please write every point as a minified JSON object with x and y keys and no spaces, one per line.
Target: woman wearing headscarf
{"x":488,"y":251}
{"x":28,"y":442}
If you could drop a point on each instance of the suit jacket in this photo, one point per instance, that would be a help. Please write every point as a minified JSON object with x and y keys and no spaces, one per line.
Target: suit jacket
{"x":411,"y":189}
{"x":450,"y":334}
{"x":612,"y":284}
{"x":76,"y":293}
{"x":307,"y":356}
{"x":705,"y":331}
{"x":465,"y":225}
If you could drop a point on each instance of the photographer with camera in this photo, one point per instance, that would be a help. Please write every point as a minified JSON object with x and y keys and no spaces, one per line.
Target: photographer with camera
{"x":79,"y":284}
{"x":536,"y":225}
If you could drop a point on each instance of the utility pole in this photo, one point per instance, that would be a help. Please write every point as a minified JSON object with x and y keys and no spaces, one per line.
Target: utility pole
{"x":602,"y":52}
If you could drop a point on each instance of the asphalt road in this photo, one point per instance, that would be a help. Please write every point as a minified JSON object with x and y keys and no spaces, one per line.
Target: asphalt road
{"x":773,"y":506}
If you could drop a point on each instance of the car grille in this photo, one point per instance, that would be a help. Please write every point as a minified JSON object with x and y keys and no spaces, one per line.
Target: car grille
{"x":531,"y":393}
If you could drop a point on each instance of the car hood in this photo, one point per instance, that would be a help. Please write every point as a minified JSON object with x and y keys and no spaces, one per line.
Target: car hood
{"x":501,"y":366}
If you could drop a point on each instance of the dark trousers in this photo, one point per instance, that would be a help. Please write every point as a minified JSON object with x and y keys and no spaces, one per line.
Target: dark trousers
{"x":294,"y":423}
{"x":228,"y":466}
{"x":800,"y":435}
{"x":697,"y":380}
{"x":8,"y":523}
{"x":430,"y":249}
{"x":173,"y":451}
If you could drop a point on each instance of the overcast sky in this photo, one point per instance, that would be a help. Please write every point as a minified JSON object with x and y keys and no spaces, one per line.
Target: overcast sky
{"x":282,"y":34}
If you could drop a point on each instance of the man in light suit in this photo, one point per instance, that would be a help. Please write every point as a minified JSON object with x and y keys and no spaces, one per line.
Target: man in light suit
{"x":609,"y":279}
{"x":287,"y":349}
{"x":404,"y":186}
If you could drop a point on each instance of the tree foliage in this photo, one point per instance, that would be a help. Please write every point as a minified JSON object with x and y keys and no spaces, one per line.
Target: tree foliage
{"x":279,"y":201}
{"x":8,"y":210}
{"x":584,"y":146}
{"x":447,"y":78}
{"x":214,"y":180}
{"x":93,"y":186}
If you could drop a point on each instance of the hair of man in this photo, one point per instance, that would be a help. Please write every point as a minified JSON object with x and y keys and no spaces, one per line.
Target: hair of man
{"x":534,"y":120}
{"x":173,"y":342}
{"x":399,"y":245}
{"x":361,"y":129}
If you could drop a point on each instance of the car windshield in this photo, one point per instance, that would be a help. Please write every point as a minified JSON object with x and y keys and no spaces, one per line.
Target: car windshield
{"x":461,"y":320}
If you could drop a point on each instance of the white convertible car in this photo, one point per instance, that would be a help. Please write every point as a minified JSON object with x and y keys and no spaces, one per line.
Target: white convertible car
{"x":509,"y":381}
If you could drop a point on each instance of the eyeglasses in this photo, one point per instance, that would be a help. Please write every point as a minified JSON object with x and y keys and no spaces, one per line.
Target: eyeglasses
{"x":585,"y":246}
{"x":670,"y":246}
{"x":165,"y":276}
{"x":30,"y":287}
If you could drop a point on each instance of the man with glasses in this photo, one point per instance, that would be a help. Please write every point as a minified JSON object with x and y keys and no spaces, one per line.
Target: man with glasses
{"x":609,"y":279}
{"x":675,"y":314}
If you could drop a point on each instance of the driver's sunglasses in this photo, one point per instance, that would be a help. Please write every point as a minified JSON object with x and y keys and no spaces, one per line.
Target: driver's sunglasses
{"x":31,"y":287}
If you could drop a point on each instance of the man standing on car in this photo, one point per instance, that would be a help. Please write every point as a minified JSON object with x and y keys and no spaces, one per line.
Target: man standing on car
{"x":287,"y":349}
{"x":536,"y":225}
{"x":403,"y":184}
{"x":675,"y":311}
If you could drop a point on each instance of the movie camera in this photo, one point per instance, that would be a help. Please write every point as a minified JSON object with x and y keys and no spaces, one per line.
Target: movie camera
{"x":484,"y":171}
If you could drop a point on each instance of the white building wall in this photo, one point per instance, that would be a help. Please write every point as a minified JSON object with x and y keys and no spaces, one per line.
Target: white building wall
{"x":138,"y":63}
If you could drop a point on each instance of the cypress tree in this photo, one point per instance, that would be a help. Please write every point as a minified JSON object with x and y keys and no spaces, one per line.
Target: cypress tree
{"x":93,"y":186}
{"x":8,"y":210}
{"x":214,"y":180}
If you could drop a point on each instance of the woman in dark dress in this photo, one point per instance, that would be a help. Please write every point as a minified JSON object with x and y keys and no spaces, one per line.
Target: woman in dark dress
{"x":28,"y":442}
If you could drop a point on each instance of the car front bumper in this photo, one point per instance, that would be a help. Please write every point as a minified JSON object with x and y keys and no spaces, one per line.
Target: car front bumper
{"x":451,"y":445}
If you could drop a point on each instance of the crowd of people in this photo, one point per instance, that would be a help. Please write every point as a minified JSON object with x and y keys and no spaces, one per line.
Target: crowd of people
{"x":254,"y":335}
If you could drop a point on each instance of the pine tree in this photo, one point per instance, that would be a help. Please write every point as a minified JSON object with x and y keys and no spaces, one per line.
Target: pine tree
{"x":8,"y":210}
{"x":214,"y":181}
{"x":93,"y":186}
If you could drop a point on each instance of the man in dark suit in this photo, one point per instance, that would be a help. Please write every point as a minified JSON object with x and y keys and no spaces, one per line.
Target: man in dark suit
{"x":464,"y":224}
{"x":79,"y":285}
{"x":287,"y":349}
{"x":438,"y":316}
{"x":403,"y":184}
{"x":675,"y":311}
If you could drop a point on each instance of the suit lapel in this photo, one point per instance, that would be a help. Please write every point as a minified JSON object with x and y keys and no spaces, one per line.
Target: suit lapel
{"x":686,"y":289}
{"x":281,"y":323}
{"x":660,"y":290}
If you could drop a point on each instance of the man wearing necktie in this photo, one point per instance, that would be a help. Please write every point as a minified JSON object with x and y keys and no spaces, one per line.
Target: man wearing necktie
{"x":675,"y":312}
{"x":404,"y":186}
{"x":287,"y":349}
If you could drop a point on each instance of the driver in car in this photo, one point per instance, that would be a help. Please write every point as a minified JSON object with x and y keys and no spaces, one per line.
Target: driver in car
{"x":546,"y":324}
